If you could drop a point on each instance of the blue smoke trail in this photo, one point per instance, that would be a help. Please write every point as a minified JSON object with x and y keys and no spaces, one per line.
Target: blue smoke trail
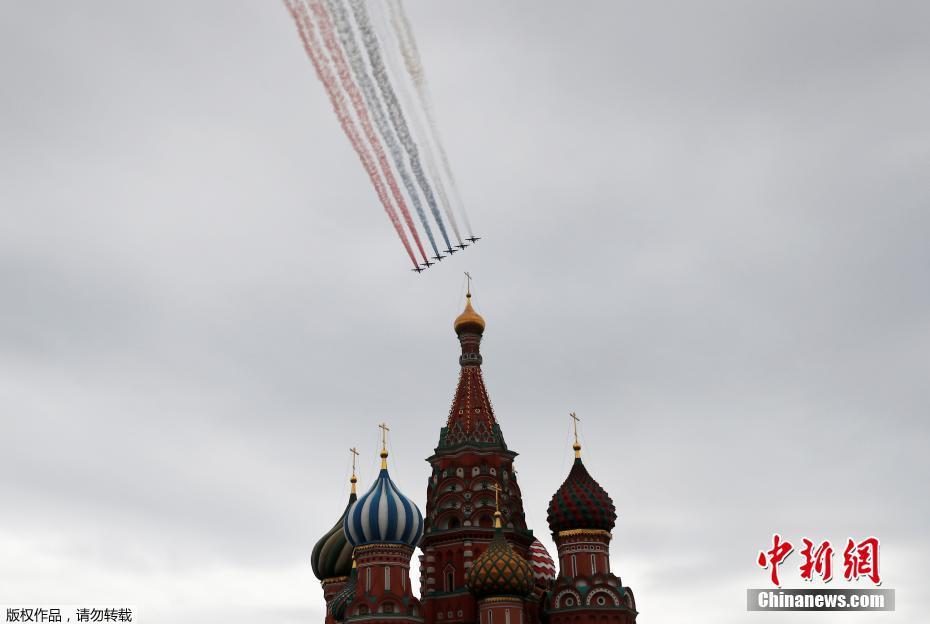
{"x":408,"y":49}
{"x":370,"y":40}
{"x":395,"y":67}
{"x":344,"y":28}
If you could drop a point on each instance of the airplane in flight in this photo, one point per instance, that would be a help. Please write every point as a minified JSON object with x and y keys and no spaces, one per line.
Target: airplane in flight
{"x":461,"y":246}
{"x":418,"y":269}
{"x":473,"y":239}
{"x":427,"y":264}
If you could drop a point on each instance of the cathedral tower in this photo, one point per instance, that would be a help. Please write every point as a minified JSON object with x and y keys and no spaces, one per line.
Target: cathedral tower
{"x":480,"y":564}
{"x":469,"y":464}
{"x":501,"y":580}
{"x":332,"y":555}
{"x":384,"y":526}
{"x":581,"y":517}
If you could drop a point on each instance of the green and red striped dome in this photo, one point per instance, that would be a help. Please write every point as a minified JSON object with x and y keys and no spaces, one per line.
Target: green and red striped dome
{"x":581,"y":503}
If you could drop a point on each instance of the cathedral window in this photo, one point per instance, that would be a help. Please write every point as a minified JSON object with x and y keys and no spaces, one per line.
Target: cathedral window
{"x":387,"y":607}
{"x":574,"y":565}
{"x":450,"y":579}
{"x":368,"y":581}
{"x":387,"y":578}
{"x":506,"y":616}
{"x":593,"y":564}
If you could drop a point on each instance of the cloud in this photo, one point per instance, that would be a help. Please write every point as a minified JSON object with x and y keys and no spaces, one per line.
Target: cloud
{"x":705,"y":231}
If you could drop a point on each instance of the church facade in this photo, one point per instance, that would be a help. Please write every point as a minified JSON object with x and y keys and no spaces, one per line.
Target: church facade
{"x":480,"y":563}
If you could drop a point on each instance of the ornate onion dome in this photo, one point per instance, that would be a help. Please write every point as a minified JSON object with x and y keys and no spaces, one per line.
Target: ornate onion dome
{"x":337,"y":606}
{"x":383,"y":514}
{"x":332,"y":555}
{"x":469,"y":321}
{"x":581,"y":503}
{"x":544,"y":571}
{"x":499,"y":571}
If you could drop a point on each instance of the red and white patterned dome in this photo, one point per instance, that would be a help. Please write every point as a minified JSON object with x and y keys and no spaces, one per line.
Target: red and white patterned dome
{"x":543,"y":567}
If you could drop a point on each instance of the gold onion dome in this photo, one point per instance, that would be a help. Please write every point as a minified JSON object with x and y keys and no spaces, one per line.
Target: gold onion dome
{"x":499,"y":571}
{"x":469,"y":321}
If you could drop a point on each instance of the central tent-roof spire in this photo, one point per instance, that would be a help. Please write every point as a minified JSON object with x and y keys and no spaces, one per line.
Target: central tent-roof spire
{"x":471,"y":417}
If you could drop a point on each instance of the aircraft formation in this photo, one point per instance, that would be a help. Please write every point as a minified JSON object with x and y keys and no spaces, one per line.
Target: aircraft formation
{"x":367,"y":59}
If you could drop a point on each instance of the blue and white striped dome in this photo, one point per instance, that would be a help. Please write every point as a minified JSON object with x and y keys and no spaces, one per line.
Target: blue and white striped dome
{"x":383,"y":514}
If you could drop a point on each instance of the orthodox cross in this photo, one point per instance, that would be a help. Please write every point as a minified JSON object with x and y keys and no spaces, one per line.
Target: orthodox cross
{"x":354,"y":452}
{"x":497,"y":490}
{"x":354,"y":479}
{"x":576,"y":445}
{"x":497,"y":506}
{"x":468,"y":275}
{"x":384,"y":429}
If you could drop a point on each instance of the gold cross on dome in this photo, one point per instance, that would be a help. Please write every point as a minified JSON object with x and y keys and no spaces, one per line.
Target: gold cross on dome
{"x":384,"y":429}
{"x":354,"y":479}
{"x":468,"y":275}
{"x":354,"y":452}
{"x":577,"y":445}
{"x":497,"y":505}
{"x":497,"y":490}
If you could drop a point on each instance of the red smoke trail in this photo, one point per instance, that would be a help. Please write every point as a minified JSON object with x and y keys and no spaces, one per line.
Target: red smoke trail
{"x":361,"y":112}
{"x":312,"y":46}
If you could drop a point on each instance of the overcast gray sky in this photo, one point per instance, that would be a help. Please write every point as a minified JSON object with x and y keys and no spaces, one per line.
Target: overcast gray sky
{"x":706,"y":230}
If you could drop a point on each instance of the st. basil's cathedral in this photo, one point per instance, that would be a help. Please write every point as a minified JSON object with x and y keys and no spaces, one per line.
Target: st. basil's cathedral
{"x":480,"y":562}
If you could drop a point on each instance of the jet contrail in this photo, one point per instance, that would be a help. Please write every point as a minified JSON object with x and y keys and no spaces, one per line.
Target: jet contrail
{"x":397,"y":116}
{"x":344,"y":27}
{"x":361,"y":113}
{"x":408,"y":48}
{"x":315,"y":52}
{"x":395,"y":67}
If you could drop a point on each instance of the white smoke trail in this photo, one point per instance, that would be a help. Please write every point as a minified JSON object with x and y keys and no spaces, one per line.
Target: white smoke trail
{"x":397,"y":72}
{"x":314,"y":50}
{"x":408,"y":49}
{"x":340,"y":17}
{"x":372,"y":47}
